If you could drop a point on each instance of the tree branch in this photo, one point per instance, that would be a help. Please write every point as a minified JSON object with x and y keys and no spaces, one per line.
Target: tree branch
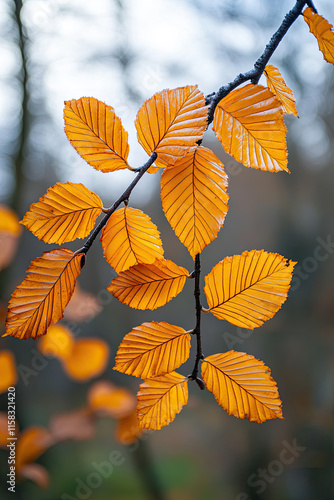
{"x":197,"y":329}
{"x":254,"y":74}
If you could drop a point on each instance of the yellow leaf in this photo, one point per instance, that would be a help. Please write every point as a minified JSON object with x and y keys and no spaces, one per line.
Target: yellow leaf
{"x":88,"y":359}
{"x":107,"y":399}
{"x":194,"y":198}
{"x":8,"y":373}
{"x":96,"y":133}
{"x":130,"y":238}
{"x":278,"y":87}
{"x":41,"y":298}
{"x":160,"y":399}
{"x":9,"y":222}
{"x":322,"y":30}
{"x":248,"y":289}
{"x":67,"y":211}
{"x":242,"y":385}
{"x":58,"y":342}
{"x":148,"y":286}
{"x":152,"y":349}
{"x":171,"y":122}
{"x":249,"y":123}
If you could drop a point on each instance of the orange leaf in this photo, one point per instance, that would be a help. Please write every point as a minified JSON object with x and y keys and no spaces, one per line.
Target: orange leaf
{"x":78,"y":425}
{"x":8,"y":373}
{"x":96,"y":133}
{"x":58,"y":342}
{"x":67,"y":211}
{"x":9,"y":222}
{"x":88,"y":359}
{"x":249,"y":123}
{"x":127,"y":429}
{"x":278,"y":87}
{"x":41,"y":298}
{"x":130,"y":238}
{"x":248,"y":289}
{"x":160,"y":399}
{"x":242,"y":385}
{"x":152,"y":349}
{"x":4,"y":431}
{"x":148,"y":286}
{"x":171,"y":122}
{"x":107,"y":399}
{"x":8,"y":247}
{"x":36,"y":473}
{"x":83,"y":306}
{"x":322,"y":30}
{"x":194,"y":198}
{"x":32,"y":442}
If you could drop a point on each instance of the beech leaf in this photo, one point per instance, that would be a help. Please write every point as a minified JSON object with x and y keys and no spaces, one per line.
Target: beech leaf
{"x":278,"y":87}
{"x":323,"y":31}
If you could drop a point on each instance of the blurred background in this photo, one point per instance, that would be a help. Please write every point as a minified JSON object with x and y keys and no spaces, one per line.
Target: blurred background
{"x":122,"y":52}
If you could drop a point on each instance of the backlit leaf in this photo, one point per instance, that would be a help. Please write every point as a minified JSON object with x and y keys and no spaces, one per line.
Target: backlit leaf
{"x":322,"y":30}
{"x":194,"y":198}
{"x":8,"y":373}
{"x":127,"y":429}
{"x":160,"y":399}
{"x":58,"y":342}
{"x":248,"y":289}
{"x":249,"y":123}
{"x":105,"y":398}
{"x":97,"y":134}
{"x":278,"y":87}
{"x":152,"y":349}
{"x":41,"y":298}
{"x":67,"y":211}
{"x":88,"y":359}
{"x":130,"y":238}
{"x":9,"y":222}
{"x":171,"y":122}
{"x":148,"y":286}
{"x":242,"y":385}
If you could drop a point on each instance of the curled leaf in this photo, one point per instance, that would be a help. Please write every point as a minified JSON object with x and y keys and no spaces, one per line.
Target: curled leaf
{"x":323,"y":31}
{"x":278,"y":87}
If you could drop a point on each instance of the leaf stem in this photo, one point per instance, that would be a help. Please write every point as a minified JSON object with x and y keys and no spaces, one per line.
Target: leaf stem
{"x":254,"y":74}
{"x":123,"y":198}
{"x":197,"y":329}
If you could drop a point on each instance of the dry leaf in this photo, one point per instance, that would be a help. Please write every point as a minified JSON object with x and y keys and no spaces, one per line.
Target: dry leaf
{"x":322,"y":30}
{"x":278,"y":87}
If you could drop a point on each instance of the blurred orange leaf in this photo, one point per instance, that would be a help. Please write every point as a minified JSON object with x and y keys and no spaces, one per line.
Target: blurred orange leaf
{"x":127,"y":429}
{"x":194,"y":198}
{"x":4,"y":427}
{"x":41,"y":298}
{"x":248,"y":289}
{"x":130,"y":238}
{"x":148,"y":286}
{"x":160,"y":399}
{"x":107,"y":399}
{"x":8,"y":247}
{"x":278,"y":87}
{"x":36,"y":473}
{"x":78,"y":425}
{"x":152,"y":349}
{"x":249,"y":123}
{"x":171,"y":122}
{"x":10,"y":230}
{"x":83,"y":306}
{"x":8,"y":373}
{"x":88,"y":359}
{"x":322,"y":30}
{"x":242,"y":385}
{"x":97,"y":134}
{"x":32,"y":442}
{"x":9,"y":222}
{"x":67,"y":211}
{"x":57,"y":342}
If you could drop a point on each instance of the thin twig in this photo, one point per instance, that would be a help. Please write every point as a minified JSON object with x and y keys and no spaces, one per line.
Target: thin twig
{"x":197,"y":329}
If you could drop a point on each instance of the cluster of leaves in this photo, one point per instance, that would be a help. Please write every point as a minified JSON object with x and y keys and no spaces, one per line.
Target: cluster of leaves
{"x":245,"y":289}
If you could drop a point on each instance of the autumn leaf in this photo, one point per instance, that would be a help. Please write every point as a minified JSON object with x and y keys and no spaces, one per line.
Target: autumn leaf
{"x":41,"y":298}
{"x":32,"y":442}
{"x":10,"y":231}
{"x":8,"y":373}
{"x":194,"y":198}
{"x":67,"y":211}
{"x":248,"y":289}
{"x":127,"y":429}
{"x":104,"y":398}
{"x":160,"y":399}
{"x":9,"y":222}
{"x":88,"y":359}
{"x":58,"y":342}
{"x":148,"y":286}
{"x":277,"y":86}
{"x":152,"y":349}
{"x":78,"y":425}
{"x":36,"y":473}
{"x":322,"y":30}
{"x":83,"y":306}
{"x":249,"y":123}
{"x":242,"y":385}
{"x":4,"y":430}
{"x":130,"y":238}
{"x":97,"y":134}
{"x":171,"y":122}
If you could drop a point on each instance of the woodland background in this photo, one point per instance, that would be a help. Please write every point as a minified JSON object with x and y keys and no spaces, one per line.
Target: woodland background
{"x":122,"y":52}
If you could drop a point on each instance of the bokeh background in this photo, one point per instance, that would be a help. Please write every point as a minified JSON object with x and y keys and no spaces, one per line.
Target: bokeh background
{"x":121,"y":52}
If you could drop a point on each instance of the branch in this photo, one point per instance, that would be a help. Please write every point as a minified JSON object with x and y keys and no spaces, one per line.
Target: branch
{"x":254,"y":74}
{"x":197,"y":329}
